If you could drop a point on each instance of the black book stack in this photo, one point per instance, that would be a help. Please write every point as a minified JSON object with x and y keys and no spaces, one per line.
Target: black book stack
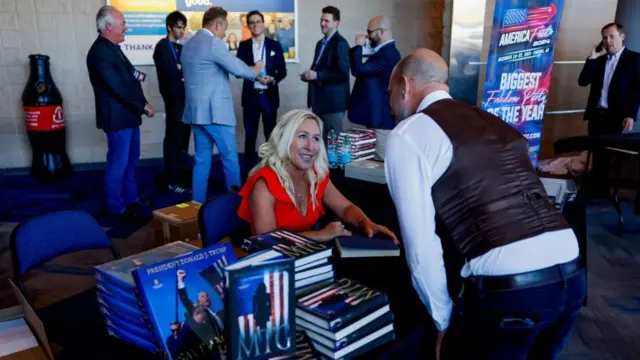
{"x":345,"y":319}
{"x":312,"y":265}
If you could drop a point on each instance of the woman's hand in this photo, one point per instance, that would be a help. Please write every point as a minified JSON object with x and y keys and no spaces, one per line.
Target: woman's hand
{"x":370,"y":228}
{"x":333,"y":230}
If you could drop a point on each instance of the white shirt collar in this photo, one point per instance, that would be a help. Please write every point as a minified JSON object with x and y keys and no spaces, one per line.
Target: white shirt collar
{"x":383,"y":44}
{"x":209,"y":32}
{"x":433,"y":97}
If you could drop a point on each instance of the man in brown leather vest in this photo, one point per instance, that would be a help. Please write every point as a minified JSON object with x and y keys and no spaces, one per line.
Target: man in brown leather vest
{"x":523,"y":280}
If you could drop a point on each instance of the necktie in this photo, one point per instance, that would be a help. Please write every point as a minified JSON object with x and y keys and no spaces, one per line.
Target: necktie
{"x":324,"y":44}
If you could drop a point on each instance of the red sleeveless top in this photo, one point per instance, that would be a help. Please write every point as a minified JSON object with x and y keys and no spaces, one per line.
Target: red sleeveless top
{"x":288,"y":217}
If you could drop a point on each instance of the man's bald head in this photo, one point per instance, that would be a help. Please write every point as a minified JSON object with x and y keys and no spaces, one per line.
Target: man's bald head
{"x":414,"y":77}
{"x":379,"y":30}
{"x":423,"y":66}
{"x":380,"y":21}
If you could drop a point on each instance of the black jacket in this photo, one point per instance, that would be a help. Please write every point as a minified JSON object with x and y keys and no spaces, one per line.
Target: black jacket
{"x":369,"y":103}
{"x":276,"y":67}
{"x":119,"y":98}
{"x":329,"y":93}
{"x":169,"y":76}
{"x":624,"y":89}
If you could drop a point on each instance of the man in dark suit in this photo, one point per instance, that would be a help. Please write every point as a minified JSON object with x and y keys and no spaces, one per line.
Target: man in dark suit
{"x":261,"y":97}
{"x":614,"y":96}
{"x":166,"y":57}
{"x":120,"y":103}
{"x":328,"y":78}
{"x":369,"y":102}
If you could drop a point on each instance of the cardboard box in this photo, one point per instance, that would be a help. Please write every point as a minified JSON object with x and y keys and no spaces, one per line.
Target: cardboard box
{"x":177,"y":223}
{"x":22,"y":335}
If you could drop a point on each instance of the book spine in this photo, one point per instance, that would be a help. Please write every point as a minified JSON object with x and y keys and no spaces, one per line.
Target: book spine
{"x":150,"y":311}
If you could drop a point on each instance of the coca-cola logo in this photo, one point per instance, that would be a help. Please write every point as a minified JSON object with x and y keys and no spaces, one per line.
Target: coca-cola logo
{"x":58,"y":115}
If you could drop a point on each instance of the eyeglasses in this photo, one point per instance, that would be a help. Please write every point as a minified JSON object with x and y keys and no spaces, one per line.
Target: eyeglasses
{"x":254,"y":22}
{"x":369,"y":32}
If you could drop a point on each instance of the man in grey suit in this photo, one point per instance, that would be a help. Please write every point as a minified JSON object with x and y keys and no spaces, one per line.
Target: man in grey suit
{"x":206,"y":65}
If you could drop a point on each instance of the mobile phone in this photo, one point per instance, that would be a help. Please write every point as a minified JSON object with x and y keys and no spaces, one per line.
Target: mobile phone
{"x":600,"y":46}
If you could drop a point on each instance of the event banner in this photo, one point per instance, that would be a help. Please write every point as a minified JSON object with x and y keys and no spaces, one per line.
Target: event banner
{"x":518,"y":74}
{"x":146,"y":22}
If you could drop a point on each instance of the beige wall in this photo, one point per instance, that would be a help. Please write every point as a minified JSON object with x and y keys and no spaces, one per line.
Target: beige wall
{"x":65,"y":29}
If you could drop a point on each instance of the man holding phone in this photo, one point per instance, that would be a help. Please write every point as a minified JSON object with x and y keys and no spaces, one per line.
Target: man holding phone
{"x":614,"y":97}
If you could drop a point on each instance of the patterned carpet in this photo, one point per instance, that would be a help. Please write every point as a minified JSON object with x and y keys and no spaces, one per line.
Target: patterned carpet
{"x":609,"y":327}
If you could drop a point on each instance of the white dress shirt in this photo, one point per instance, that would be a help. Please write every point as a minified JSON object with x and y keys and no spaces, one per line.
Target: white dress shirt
{"x":383,"y":44}
{"x":418,"y":152}
{"x":259,"y":54}
{"x":610,"y":68}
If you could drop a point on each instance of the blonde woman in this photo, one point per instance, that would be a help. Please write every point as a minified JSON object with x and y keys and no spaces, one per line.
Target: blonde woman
{"x":289,"y":187}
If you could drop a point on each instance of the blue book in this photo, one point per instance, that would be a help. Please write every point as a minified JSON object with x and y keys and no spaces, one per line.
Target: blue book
{"x":118,"y":272}
{"x":358,"y":246}
{"x":183,"y":297}
{"x":118,"y":294}
{"x":132,"y":339}
{"x":339,"y":304}
{"x":261,"y":309}
{"x":141,"y":332}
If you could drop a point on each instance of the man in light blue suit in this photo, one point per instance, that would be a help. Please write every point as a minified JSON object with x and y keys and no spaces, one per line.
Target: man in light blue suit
{"x":206,"y":65}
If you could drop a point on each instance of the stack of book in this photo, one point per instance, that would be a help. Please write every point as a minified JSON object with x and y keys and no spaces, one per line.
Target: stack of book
{"x":184,"y":300}
{"x":366,"y":170}
{"x":363,"y":143}
{"x":345,"y":319}
{"x":559,"y":191}
{"x":119,"y":300}
{"x":312,"y":259}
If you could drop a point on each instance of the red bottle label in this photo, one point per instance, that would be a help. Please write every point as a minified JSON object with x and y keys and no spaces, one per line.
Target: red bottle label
{"x":44,"y":118}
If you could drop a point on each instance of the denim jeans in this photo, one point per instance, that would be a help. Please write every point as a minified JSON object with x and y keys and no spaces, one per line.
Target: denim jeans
{"x":224,"y":137}
{"x":120,"y":173}
{"x":525,"y":323}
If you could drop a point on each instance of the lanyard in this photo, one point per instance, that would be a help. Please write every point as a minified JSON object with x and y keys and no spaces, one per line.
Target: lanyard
{"x":262,"y":49}
{"x":173,"y":51}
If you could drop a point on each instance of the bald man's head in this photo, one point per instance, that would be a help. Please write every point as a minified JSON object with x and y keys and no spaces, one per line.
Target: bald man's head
{"x":414,"y":77}
{"x":379,"y":30}
{"x":423,"y":66}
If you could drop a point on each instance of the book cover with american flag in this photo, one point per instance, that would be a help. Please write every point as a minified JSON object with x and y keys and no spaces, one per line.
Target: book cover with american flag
{"x":260,"y":308}
{"x":338,"y":304}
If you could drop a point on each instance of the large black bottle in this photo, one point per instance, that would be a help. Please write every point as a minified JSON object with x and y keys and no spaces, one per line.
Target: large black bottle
{"x":45,"y":123}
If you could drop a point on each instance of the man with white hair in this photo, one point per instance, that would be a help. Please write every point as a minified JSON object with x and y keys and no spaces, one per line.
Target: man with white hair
{"x":120,"y":103}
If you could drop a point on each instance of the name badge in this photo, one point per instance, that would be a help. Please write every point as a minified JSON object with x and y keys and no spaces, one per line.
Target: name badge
{"x":139,"y":75}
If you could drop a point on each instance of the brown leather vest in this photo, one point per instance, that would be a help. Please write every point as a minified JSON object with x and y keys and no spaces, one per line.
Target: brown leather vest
{"x":490,"y":195}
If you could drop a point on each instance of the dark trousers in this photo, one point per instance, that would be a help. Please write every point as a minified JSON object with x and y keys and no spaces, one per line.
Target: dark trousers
{"x":602,"y":123}
{"x":262,"y":106}
{"x":526,"y":323}
{"x":176,"y":139}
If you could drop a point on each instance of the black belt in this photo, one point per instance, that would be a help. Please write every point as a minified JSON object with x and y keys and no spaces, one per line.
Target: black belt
{"x":260,"y":91}
{"x":532,"y":278}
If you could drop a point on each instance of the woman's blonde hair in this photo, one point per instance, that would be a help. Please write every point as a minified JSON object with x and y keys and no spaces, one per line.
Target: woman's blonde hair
{"x":276,"y":153}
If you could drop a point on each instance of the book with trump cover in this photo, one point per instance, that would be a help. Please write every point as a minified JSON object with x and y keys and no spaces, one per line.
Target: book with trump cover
{"x":184,"y":299}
